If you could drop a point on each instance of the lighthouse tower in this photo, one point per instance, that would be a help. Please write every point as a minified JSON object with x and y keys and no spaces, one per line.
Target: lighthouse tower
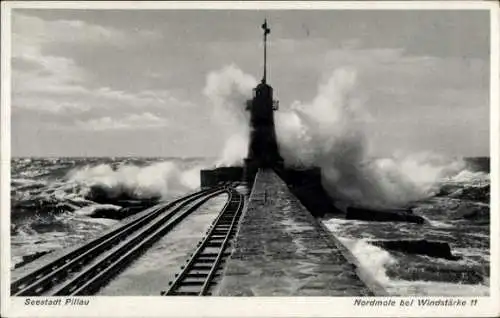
{"x":263,"y":151}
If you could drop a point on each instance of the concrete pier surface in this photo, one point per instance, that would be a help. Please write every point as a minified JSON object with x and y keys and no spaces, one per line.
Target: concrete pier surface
{"x":281,"y":250}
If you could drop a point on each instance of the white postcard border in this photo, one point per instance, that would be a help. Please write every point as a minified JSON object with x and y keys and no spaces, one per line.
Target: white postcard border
{"x":119,"y":306}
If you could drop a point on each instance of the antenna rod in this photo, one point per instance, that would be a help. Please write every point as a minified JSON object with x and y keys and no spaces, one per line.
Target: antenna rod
{"x":266,"y":32}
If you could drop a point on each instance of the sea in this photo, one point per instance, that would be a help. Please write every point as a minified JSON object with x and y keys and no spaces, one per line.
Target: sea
{"x":59,"y":202}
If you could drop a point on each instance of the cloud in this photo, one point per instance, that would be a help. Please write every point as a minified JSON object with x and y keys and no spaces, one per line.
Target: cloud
{"x":132,"y":121}
{"x":55,"y":84}
{"x":34,"y":30}
{"x":96,"y":67}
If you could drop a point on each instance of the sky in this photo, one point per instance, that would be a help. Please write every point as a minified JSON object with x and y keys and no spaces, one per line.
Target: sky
{"x":130,"y":82}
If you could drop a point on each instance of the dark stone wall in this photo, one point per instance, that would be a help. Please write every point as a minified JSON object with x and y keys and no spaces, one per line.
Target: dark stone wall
{"x":212,"y":177}
{"x":305,"y":184}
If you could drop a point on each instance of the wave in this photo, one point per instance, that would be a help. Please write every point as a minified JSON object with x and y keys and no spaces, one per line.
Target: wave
{"x":371,"y":258}
{"x":467,"y":275}
{"x":157,"y":180}
{"x":235,"y":150}
{"x":328,"y":132}
{"x":470,"y":177}
{"x":228,"y":89}
{"x":438,"y":224}
{"x":87,"y":188}
{"x":427,"y":288}
{"x":377,"y":262}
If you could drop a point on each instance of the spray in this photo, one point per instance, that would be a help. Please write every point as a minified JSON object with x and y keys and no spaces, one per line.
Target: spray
{"x":227,"y":90}
{"x":328,"y":132}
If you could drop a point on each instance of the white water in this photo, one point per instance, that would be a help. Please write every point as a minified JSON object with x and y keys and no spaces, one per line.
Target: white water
{"x":328,"y":132}
{"x":157,"y":179}
{"x":228,"y":89}
{"x":375,"y":260}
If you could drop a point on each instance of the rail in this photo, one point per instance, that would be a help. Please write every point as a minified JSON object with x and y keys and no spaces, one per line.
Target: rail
{"x":100,"y":259}
{"x":198,"y":275}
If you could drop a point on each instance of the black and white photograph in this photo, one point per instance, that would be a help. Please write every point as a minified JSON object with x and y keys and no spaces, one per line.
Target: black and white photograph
{"x":246,"y":153}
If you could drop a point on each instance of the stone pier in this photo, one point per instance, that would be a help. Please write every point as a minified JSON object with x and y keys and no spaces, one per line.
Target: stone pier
{"x":281,"y":250}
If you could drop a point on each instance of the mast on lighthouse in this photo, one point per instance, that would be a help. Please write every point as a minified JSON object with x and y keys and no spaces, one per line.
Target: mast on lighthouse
{"x":263,"y":148}
{"x":266,"y":32}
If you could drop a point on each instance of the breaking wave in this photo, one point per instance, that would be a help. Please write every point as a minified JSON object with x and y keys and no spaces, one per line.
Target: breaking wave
{"x":427,"y":276}
{"x":228,"y":89}
{"x":474,"y":177}
{"x":329,"y":132}
{"x":59,"y":202}
{"x":159,"y":179}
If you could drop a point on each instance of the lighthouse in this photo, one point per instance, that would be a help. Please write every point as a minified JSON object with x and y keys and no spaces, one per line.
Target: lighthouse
{"x":263,"y":150}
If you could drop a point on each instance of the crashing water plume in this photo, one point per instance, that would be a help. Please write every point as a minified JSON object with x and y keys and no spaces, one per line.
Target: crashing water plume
{"x":156,"y":180}
{"x":328,"y":132}
{"x":228,"y":89}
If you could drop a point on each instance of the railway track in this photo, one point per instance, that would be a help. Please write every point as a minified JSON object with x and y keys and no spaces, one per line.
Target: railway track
{"x":86,"y":269}
{"x":201,"y":271}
